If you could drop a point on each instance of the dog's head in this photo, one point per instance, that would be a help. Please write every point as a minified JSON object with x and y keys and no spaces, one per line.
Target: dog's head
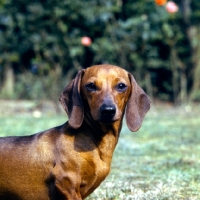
{"x":105,"y":91}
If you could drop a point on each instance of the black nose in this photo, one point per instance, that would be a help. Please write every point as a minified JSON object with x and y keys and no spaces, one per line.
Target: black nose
{"x":107,"y":110}
{"x":107,"y":113}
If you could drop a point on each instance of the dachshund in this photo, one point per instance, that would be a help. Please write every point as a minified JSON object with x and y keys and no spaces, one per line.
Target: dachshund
{"x":70,"y":161}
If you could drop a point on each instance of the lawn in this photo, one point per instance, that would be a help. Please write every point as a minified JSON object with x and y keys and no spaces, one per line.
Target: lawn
{"x":159,"y":162}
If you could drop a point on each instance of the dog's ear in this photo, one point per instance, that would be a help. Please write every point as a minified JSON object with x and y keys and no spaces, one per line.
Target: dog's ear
{"x":137,"y":106}
{"x":71,"y":101}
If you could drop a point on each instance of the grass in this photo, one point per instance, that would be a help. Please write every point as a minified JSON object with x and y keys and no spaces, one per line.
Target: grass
{"x":159,"y":162}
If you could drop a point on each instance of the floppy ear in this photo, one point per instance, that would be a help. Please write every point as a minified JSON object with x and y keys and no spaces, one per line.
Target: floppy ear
{"x":71,"y":101}
{"x":137,"y":106}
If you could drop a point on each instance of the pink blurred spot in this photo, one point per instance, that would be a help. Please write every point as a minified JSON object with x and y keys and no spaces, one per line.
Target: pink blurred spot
{"x":171,"y":7}
{"x":86,"y":41}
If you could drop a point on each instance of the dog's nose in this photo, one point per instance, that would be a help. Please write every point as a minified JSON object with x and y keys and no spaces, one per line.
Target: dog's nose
{"x":107,"y":113}
{"x":108,"y":110}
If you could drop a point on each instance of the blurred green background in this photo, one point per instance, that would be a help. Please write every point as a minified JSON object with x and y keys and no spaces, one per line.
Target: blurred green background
{"x":42,"y":48}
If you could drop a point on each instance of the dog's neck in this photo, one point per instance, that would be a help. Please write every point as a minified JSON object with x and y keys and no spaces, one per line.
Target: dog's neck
{"x":104,"y":136}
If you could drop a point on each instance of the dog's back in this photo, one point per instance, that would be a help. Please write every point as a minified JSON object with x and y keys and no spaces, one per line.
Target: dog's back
{"x":25,"y":164}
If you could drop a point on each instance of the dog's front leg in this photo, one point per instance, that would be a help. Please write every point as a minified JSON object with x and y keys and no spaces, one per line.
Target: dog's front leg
{"x":67,"y":183}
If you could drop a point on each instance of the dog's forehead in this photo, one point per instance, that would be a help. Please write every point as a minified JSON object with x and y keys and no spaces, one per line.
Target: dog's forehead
{"x":102,"y":72}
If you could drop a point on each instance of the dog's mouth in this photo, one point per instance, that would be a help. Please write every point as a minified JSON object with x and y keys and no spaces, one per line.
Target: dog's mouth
{"x":107,"y":120}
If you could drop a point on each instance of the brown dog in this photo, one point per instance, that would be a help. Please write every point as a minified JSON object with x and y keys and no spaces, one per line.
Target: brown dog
{"x":70,"y":161}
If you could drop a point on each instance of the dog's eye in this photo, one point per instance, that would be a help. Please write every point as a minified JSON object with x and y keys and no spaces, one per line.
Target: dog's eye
{"x":121,"y":87}
{"x":91,"y":87}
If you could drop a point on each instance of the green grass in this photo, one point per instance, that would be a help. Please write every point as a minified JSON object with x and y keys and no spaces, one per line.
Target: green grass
{"x":159,"y":162}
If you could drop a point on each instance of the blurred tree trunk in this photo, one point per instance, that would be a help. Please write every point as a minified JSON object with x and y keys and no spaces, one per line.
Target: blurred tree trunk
{"x":175,"y":79}
{"x":179,"y":79}
{"x":184,"y":93}
{"x":193,"y":68}
{"x":149,"y":86}
{"x":8,"y":83}
{"x":195,"y":93}
{"x":56,"y":76}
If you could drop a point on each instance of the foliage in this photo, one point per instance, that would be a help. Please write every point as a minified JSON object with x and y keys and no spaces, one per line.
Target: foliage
{"x":159,"y":48}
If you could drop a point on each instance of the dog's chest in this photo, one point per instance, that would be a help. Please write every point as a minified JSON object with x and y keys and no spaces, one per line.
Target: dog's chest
{"x":93,"y":172}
